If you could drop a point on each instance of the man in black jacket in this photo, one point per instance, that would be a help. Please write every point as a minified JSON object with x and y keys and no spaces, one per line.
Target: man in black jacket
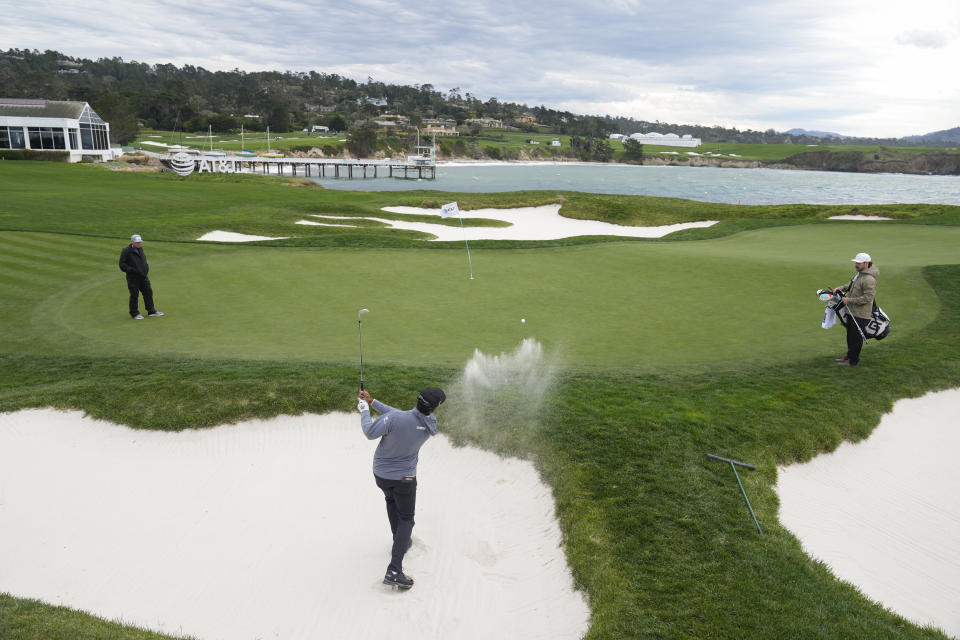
{"x":133,"y":262}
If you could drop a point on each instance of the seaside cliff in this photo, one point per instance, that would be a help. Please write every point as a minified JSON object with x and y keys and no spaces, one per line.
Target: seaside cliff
{"x":931,"y":163}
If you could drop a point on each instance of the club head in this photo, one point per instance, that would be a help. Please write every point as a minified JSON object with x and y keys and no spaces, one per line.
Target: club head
{"x":362,"y":311}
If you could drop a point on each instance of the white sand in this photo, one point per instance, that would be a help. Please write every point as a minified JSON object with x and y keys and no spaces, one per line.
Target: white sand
{"x":884,"y":514}
{"x":230,"y":236}
{"x":526,"y":223}
{"x":854,"y":217}
{"x":275,"y":529}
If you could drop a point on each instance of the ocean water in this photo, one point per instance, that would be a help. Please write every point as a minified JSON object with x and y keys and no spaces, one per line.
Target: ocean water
{"x":708,"y":184}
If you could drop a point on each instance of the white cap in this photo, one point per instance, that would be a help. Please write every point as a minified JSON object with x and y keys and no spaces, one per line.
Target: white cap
{"x":861,"y":257}
{"x":136,"y":238}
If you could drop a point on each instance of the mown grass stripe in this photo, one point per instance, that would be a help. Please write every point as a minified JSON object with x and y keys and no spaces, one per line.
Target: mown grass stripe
{"x":94,"y":252}
{"x":98,"y":248}
{"x":27,"y":264}
{"x":19,"y":290}
{"x":52,"y":242}
{"x":66,"y":266}
{"x":52,"y":254}
{"x":64,"y":247}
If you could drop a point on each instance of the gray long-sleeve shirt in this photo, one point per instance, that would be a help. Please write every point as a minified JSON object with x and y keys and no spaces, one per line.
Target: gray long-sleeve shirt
{"x":401,"y":434}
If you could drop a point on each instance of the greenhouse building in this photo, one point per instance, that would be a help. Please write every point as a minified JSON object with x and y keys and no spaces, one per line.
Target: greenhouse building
{"x":58,"y":126}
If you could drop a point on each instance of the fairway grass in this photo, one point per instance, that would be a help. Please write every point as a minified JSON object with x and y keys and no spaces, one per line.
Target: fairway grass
{"x":668,"y":350}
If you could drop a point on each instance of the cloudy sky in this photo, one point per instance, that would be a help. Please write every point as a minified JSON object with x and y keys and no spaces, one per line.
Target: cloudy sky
{"x":856,"y":67}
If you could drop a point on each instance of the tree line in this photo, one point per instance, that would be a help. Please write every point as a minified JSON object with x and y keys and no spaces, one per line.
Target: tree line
{"x":129,"y":94}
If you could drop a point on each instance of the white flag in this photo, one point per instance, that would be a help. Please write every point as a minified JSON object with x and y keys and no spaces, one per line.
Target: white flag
{"x":450,"y":209}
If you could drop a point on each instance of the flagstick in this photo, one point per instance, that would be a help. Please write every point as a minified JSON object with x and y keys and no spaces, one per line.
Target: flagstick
{"x":469,"y":261}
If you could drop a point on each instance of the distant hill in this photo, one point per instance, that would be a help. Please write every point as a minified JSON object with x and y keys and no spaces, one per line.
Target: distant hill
{"x":947,"y":136}
{"x":816,"y":134}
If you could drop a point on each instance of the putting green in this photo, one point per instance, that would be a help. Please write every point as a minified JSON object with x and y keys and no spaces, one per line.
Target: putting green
{"x":748,"y":297}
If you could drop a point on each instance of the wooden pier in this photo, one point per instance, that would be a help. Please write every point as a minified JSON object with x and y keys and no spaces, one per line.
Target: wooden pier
{"x":305,"y":167}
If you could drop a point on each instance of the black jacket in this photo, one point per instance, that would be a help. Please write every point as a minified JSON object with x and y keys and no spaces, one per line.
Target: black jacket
{"x":133,"y":261}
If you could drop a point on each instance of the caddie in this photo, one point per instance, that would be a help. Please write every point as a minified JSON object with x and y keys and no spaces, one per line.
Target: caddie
{"x":858,"y":296}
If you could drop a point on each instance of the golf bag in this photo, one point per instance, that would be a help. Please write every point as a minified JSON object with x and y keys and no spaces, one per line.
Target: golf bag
{"x":878,"y":325}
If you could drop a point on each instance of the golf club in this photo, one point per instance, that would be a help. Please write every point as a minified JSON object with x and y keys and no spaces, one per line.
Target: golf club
{"x":360,"y":328}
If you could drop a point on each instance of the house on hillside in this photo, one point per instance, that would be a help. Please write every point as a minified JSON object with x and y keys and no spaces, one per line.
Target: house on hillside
{"x":490,"y":123}
{"x":55,"y":125}
{"x":439,"y":131}
{"x":440,"y":122}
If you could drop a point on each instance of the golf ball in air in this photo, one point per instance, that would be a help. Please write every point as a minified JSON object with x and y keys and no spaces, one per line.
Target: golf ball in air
{"x":523,"y":319}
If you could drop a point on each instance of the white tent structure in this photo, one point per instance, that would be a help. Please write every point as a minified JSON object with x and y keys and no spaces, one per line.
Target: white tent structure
{"x":54,"y":125}
{"x":665,"y":139}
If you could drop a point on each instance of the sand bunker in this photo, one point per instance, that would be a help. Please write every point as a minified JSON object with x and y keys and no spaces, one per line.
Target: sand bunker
{"x":883,"y":514}
{"x":526,"y":223}
{"x":853,"y":217}
{"x":230,"y":236}
{"x":275,"y":529}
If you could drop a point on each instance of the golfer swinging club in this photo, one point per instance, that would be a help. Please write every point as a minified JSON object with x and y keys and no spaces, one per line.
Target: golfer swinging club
{"x":401,"y":434}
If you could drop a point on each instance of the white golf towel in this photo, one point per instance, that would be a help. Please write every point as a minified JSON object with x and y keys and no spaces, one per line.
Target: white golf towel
{"x":829,"y":318}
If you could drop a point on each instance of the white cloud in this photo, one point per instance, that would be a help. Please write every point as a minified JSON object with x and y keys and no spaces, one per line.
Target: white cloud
{"x":924,"y":39}
{"x":848,"y":65}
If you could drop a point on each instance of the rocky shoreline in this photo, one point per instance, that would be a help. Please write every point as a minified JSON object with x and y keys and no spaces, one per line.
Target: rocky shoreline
{"x":940,"y":163}
{"x":927,"y":163}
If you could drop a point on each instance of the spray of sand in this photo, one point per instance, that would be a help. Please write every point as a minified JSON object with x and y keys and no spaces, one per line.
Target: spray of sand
{"x":500,"y":398}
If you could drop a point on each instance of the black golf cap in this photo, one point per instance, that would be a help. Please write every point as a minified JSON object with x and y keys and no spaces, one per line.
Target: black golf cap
{"x":429,"y":399}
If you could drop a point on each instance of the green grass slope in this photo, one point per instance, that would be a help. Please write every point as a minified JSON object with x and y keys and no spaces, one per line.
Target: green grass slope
{"x":667,"y":350}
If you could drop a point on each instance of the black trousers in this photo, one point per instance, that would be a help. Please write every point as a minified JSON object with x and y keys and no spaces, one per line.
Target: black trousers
{"x":401,"y":498}
{"x":138,"y":285}
{"x":854,"y":339}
